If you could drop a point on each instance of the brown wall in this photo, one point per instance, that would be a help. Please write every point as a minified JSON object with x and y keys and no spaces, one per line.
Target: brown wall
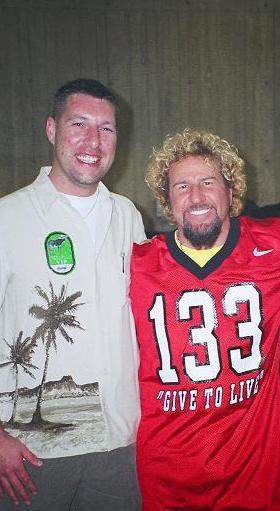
{"x":212,"y":64}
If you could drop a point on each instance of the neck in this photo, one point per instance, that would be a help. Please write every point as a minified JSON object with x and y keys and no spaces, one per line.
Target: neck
{"x":63,"y":185}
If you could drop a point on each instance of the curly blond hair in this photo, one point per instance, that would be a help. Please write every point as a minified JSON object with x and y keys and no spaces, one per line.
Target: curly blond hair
{"x":200,"y":143}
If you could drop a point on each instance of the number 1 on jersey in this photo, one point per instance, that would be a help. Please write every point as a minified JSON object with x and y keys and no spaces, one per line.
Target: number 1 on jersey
{"x":167,"y":373}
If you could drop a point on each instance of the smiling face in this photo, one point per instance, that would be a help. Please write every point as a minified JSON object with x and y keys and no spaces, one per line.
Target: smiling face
{"x":84,"y":138}
{"x":200,"y":202}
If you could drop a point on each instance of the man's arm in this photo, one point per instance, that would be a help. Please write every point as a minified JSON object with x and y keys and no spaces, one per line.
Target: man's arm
{"x":138,"y":228}
{"x":14,"y":478}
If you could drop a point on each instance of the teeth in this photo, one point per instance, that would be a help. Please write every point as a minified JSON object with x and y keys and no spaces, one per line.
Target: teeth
{"x":199,"y":212}
{"x":86,"y":158}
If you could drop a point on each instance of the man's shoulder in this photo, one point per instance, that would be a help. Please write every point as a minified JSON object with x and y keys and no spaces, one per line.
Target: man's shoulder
{"x":17,"y":206}
{"x":13,"y":199}
{"x":151,"y":243}
{"x":125,"y":208}
{"x":122,"y":200}
{"x":149,"y":249}
{"x":20,"y":198}
{"x":264,"y":227}
{"x":261,"y":236}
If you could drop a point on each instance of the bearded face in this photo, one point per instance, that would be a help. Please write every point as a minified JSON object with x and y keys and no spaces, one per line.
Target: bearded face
{"x":200,"y":202}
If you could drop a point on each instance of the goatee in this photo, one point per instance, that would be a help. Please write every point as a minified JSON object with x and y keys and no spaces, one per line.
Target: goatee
{"x":203,"y":236}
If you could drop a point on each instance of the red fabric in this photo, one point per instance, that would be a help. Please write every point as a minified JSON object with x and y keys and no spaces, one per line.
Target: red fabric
{"x":209,"y":375}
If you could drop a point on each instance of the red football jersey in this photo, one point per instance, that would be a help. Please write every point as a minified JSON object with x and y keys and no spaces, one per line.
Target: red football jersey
{"x":209,"y":436}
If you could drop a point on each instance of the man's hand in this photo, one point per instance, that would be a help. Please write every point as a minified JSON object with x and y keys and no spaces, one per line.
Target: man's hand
{"x":14,"y":478}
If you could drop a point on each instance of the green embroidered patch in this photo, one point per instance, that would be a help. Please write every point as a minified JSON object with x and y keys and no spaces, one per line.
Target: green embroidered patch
{"x":60,"y":252}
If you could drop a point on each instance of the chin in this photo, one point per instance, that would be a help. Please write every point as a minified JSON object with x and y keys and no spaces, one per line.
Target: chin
{"x":204,"y":235}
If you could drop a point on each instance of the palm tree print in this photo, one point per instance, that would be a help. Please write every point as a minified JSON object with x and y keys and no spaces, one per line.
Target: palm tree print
{"x":56,"y":316}
{"x":20,"y":356}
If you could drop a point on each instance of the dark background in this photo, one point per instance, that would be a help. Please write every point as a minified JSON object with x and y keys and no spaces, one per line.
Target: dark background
{"x":211,"y":64}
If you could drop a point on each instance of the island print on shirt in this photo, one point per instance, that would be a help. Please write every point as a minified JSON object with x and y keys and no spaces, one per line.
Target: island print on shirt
{"x":52,"y":413}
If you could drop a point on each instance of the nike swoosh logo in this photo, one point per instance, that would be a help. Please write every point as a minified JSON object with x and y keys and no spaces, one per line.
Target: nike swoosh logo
{"x":258,"y":252}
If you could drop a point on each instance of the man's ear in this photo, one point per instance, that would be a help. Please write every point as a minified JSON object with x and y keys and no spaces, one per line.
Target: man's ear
{"x":50,"y":129}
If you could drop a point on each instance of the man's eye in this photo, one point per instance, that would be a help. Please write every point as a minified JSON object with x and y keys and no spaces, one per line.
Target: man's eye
{"x":106,"y":128}
{"x":78,"y":123}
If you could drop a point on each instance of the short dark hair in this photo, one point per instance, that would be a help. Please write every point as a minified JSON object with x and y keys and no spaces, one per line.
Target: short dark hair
{"x":88,"y":86}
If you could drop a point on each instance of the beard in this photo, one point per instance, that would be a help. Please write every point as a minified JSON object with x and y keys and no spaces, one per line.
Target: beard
{"x":203,"y":236}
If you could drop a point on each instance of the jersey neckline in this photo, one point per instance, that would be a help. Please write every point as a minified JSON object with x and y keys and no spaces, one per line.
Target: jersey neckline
{"x":214,"y":262}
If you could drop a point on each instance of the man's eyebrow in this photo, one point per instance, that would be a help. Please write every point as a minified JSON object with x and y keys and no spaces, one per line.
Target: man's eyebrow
{"x":77,"y":116}
{"x":108,"y":122}
{"x":186,"y":181}
{"x":84,"y":117}
{"x":179,"y":183}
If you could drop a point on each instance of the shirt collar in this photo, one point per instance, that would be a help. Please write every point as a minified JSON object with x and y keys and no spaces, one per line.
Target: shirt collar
{"x":47,"y":194}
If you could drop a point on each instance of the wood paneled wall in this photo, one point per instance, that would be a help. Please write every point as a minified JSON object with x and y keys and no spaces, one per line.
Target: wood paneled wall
{"x":212,"y":64}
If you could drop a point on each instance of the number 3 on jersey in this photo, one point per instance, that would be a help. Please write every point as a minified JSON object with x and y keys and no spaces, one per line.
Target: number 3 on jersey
{"x":204,"y":333}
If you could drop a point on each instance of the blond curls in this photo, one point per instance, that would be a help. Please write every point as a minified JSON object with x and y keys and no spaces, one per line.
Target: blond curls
{"x":200,"y":143}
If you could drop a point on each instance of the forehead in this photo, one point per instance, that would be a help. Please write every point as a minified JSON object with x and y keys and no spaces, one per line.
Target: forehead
{"x":195,"y":166}
{"x":84,"y":104}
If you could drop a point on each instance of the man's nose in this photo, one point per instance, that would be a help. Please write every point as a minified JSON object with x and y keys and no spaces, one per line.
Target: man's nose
{"x":196,"y":193}
{"x":94,"y":137}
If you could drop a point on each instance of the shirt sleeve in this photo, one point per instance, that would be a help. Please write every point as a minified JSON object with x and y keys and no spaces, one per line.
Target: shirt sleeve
{"x":138,"y":228}
{"x":4,"y":276}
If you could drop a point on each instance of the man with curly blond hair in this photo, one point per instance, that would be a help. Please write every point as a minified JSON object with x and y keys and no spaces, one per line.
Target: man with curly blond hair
{"x":205,"y":298}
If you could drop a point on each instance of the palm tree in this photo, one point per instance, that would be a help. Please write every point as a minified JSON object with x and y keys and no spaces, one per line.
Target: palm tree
{"x":20,"y":356}
{"x":56,"y":315}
